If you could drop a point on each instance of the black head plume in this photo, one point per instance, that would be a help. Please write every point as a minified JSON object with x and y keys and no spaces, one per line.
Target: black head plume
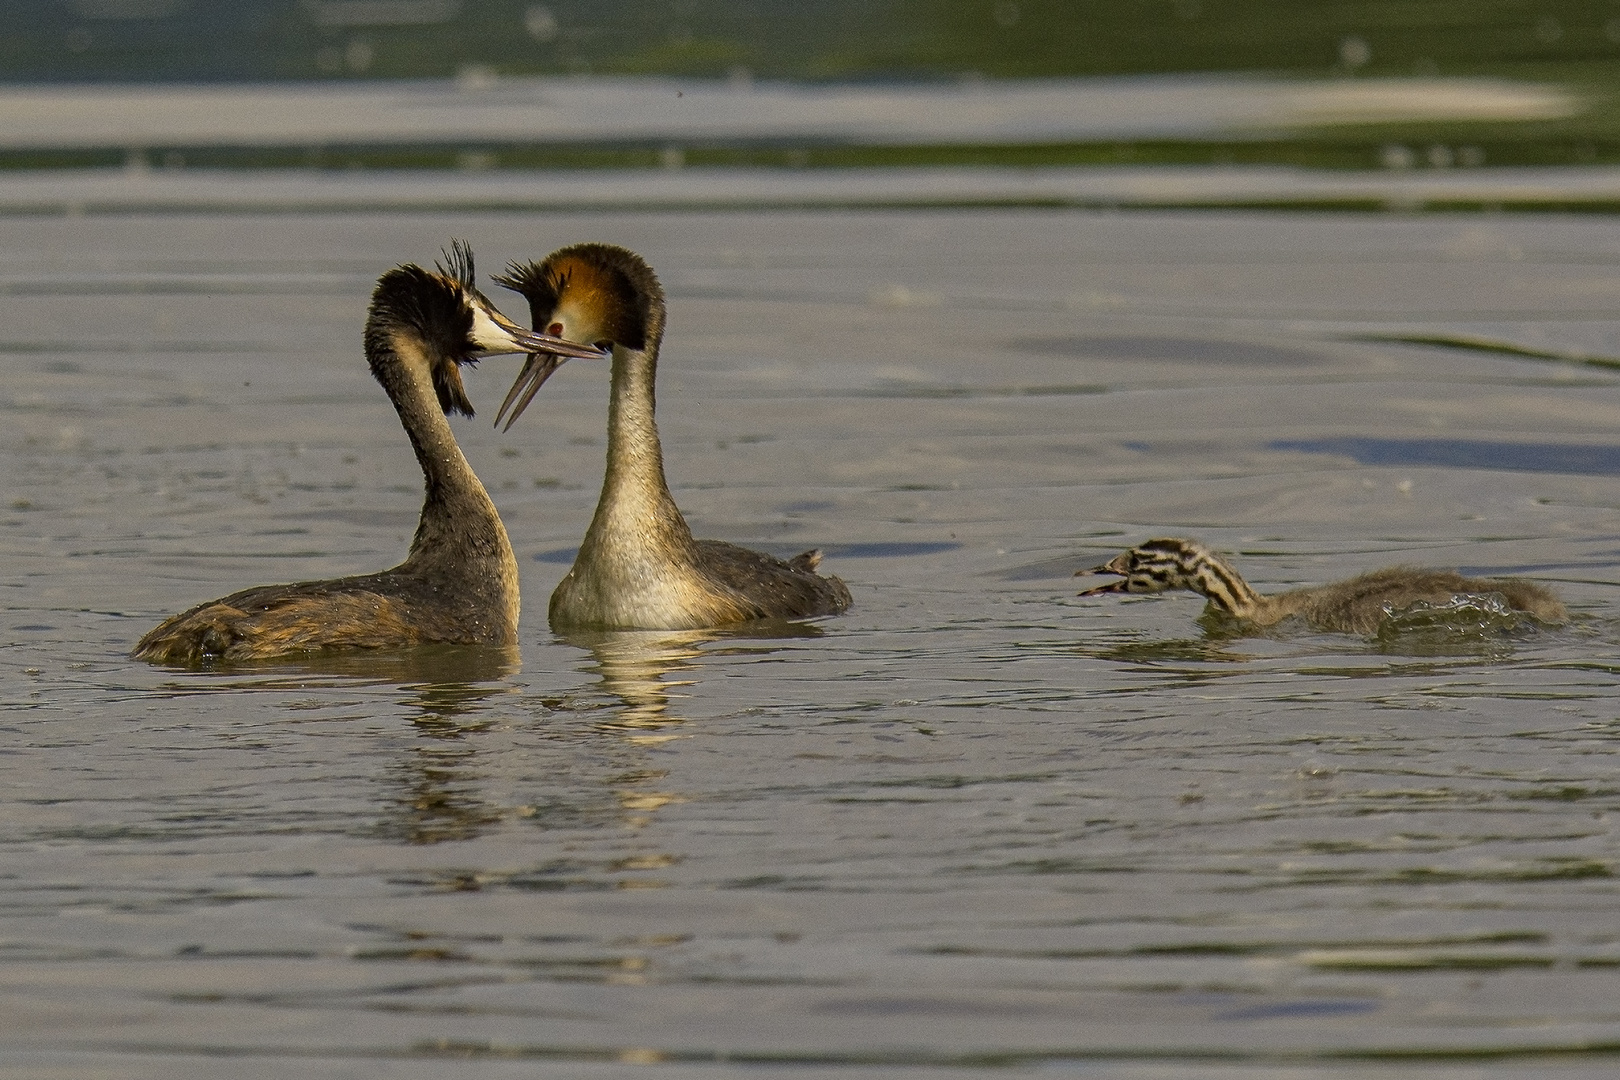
{"x":433,"y":308}
{"x":458,"y":265}
{"x":537,"y":284}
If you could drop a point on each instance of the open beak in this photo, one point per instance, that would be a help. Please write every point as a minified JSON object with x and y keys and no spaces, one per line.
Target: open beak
{"x":1116,"y":565}
{"x":546,"y":354}
{"x":536,"y":370}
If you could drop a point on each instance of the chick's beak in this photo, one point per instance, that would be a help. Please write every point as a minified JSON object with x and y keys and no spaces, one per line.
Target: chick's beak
{"x":1120,"y":586}
{"x":1116,"y":565}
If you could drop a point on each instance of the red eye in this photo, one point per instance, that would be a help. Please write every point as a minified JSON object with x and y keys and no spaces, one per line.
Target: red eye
{"x":555,"y":329}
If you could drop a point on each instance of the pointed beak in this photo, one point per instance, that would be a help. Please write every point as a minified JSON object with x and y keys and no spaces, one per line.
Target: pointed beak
{"x":496,"y":334}
{"x":546,"y":354}
{"x":533,"y":342}
{"x":536,"y":370}
{"x":1116,"y":565}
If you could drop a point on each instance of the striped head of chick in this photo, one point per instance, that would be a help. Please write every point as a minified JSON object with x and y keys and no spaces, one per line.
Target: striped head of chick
{"x":1173,"y":563}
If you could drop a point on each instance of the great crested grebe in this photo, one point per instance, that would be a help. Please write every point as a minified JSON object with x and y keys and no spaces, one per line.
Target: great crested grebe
{"x":460,"y":582}
{"x":1356,"y":606}
{"x":638,"y":566}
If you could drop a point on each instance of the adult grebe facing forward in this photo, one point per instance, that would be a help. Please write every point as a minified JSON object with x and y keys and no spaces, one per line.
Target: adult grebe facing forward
{"x":459,"y":582}
{"x":638,"y":566}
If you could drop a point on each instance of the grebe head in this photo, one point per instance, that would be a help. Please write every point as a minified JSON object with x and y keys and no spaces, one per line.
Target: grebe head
{"x":1152,"y":567}
{"x":588,"y":294}
{"x":440,"y":315}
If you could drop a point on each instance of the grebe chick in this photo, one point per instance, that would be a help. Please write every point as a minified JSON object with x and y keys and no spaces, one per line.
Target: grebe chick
{"x":638,"y":566}
{"x":1356,"y":606}
{"x":460,"y":582}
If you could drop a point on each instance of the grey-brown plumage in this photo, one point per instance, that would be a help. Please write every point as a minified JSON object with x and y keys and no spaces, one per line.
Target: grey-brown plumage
{"x":639,"y":566}
{"x":1356,"y":606}
{"x":459,"y":583}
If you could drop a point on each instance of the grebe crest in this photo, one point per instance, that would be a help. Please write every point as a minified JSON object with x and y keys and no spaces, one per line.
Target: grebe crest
{"x":592,"y":293}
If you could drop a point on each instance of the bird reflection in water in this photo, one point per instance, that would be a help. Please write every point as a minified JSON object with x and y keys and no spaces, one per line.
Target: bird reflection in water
{"x":442,"y":785}
{"x":440,"y":780}
{"x":646,"y":671}
{"x":446,"y":690}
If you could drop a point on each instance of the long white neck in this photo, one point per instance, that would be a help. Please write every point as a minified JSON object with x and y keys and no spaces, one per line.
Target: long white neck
{"x":636,"y":506}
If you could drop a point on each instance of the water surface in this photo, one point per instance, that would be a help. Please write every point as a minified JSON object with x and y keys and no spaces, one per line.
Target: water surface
{"x":976,"y":826}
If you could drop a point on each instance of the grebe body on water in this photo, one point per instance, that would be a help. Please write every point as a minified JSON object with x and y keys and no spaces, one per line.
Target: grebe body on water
{"x":459,"y":582}
{"x":1355,"y":606}
{"x":639,"y":566}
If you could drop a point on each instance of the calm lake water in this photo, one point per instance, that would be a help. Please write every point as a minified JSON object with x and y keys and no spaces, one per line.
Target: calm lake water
{"x":977,"y":826}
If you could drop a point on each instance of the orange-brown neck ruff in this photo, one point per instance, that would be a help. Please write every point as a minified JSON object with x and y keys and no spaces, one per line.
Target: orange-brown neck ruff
{"x":595,"y":302}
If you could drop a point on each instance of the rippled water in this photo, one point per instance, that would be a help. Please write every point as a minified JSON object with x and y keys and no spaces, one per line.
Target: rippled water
{"x":976,"y":826}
